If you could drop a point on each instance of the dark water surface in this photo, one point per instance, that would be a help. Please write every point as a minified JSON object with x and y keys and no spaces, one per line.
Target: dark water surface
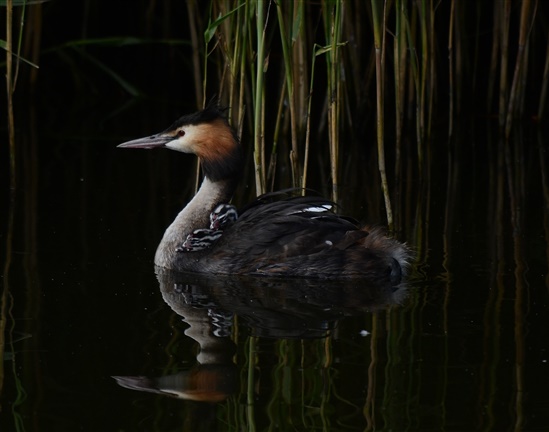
{"x":466,"y":348}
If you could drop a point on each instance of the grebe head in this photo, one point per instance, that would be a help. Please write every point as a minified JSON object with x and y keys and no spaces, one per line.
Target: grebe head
{"x":206,"y":134}
{"x":199,"y":239}
{"x":223,"y":215}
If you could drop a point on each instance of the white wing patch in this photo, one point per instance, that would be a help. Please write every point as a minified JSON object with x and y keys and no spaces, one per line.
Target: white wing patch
{"x":317,"y":209}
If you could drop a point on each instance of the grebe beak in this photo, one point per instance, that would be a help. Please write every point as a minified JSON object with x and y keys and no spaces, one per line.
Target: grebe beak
{"x":149,"y":142}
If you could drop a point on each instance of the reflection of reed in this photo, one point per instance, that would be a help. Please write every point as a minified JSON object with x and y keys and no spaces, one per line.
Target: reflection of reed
{"x":21,"y":232}
{"x":515,"y":181}
{"x":508,"y":165}
{"x":545,"y":189}
{"x":369,"y":404}
{"x":250,"y":389}
{"x":493,"y":311}
{"x":6,"y":338}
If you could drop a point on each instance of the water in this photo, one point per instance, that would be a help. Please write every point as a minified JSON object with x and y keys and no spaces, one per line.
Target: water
{"x":464,"y":346}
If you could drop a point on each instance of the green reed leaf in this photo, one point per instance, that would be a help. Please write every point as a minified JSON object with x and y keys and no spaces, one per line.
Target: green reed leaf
{"x":212,"y":26}
{"x":4,"y":46}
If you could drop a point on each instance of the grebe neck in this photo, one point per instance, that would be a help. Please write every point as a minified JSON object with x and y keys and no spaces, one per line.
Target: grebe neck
{"x":196,"y":214}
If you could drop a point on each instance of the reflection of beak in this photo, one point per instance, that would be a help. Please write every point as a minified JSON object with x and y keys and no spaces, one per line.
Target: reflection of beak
{"x":206,"y":383}
{"x":147,"y":142}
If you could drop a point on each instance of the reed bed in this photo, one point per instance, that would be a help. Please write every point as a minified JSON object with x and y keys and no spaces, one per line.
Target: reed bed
{"x":302,"y":63}
{"x":342,"y":65}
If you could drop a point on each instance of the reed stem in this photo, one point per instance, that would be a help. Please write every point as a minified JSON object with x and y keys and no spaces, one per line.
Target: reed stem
{"x":259,"y":99}
{"x":432,"y":71}
{"x":288,"y":69}
{"x":545,"y":85}
{"x":519,"y":65}
{"x":424,"y":67}
{"x":380,"y":108}
{"x":242,"y":81}
{"x":10,"y":85}
{"x":492,"y":76}
{"x":451,"y":69}
{"x":308,"y":123}
{"x":415,"y":80}
{"x":504,"y":49}
{"x":276,"y":137}
{"x":400,"y":53}
{"x":192,"y":13}
{"x":332,"y":16}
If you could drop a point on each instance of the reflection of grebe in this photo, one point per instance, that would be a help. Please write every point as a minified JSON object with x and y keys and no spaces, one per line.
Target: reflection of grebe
{"x":298,"y":236}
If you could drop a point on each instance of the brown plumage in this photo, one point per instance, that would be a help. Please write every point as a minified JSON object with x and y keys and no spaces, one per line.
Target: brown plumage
{"x":276,"y":235}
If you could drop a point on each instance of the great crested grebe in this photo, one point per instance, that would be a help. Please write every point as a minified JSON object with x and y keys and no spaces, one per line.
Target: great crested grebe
{"x":289,"y":237}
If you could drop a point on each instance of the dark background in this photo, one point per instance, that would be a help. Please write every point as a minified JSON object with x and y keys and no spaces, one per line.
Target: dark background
{"x":467,"y":349}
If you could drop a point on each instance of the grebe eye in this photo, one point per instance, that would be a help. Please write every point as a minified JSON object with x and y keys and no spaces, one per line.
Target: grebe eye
{"x":180,"y":132}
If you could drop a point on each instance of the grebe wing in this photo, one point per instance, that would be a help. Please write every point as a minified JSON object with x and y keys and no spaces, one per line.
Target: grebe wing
{"x":297,"y":226}
{"x":303,"y":237}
